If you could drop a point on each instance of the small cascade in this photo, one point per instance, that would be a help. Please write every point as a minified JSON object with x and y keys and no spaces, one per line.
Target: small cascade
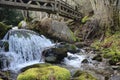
{"x":25,"y":48}
{"x":74,"y":60}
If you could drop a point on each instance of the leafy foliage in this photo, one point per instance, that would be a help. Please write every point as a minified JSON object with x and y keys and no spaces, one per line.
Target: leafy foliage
{"x":10,"y":16}
{"x":3,"y":29}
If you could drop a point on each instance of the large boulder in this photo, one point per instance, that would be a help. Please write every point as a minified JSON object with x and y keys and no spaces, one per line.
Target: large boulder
{"x":45,"y":73}
{"x":56,"y":30}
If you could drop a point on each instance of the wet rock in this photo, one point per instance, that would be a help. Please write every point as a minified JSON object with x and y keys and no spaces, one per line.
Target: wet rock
{"x":54,"y":55}
{"x":116,"y":68}
{"x":45,"y":73}
{"x":77,"y":73}
{"x":56,"y":30}
{"x":81,"y":75}
{"x":4,"y":61}
{"x":85,"y":61}
{"x":88,"y":49}
{"x":81,"y":44}
{"x":70,"y":47}
{"x":97,"y":58}
{"x":98,"y":52}
{"x":4,"y":76}
{"x":118,"y":63}
{"x":59,"y":52}
{"x":72,"y":58}
{"x":115,"y":77}
{"x":5,"y":45}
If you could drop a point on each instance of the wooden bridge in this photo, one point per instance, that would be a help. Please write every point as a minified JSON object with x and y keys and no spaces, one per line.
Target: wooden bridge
{"x":50,"y":6}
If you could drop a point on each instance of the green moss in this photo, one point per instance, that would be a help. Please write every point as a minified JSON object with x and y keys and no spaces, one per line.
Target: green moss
{"x":73,"y":37}
{"x":19,"y":25}
{"x":36,"y":66}
{"x":80,"y":75}
{"x":110,"y":47}
{"x":78,"y":39}
{"x":45,"y":73}
{"x":114,"y":60}
{"x":3,"y":29}
{"x":84,"y":19}
{"x":1,"y":79}
{"x":96,"y":44}
{"x":71,"y":47}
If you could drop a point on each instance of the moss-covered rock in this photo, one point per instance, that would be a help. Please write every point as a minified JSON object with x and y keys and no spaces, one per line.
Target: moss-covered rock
{"x":81,"y":44}
{"x":71,"y":48}
{"x":80,"y":75}
{"x":54,"y":55}
{"x":36,"y":66}
{"x":45,"y":73}
{"x":85,"y":61}
{"x":3,"y":29}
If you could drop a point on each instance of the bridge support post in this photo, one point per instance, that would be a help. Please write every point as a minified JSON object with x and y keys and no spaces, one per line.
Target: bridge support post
{"x":25,"y":14}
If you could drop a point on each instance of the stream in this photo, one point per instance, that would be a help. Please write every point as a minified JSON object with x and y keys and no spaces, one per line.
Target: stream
{"x":25,"y":48}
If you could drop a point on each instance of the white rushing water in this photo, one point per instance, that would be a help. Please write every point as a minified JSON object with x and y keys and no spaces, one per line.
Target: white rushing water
{"x":74,"y":60}
{"x":25,"y":48}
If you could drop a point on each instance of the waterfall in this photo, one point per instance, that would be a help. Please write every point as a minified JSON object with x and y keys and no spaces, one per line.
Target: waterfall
{"x":25,"y":48}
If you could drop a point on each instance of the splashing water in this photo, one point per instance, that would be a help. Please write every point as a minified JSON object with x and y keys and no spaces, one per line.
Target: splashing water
{"x":74,"y":60}
{"x":25,"y":48}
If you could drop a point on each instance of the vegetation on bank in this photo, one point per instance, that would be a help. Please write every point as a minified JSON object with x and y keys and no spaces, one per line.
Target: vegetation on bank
{"x":110,"y":47}
{"x":10,"y":16}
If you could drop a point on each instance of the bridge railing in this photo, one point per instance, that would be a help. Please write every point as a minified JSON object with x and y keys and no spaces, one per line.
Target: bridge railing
{"x":49,"y":6}
{"x":67,"y":10}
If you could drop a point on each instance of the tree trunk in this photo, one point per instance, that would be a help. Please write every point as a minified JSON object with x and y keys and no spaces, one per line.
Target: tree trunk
{"x":107,"y":13}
